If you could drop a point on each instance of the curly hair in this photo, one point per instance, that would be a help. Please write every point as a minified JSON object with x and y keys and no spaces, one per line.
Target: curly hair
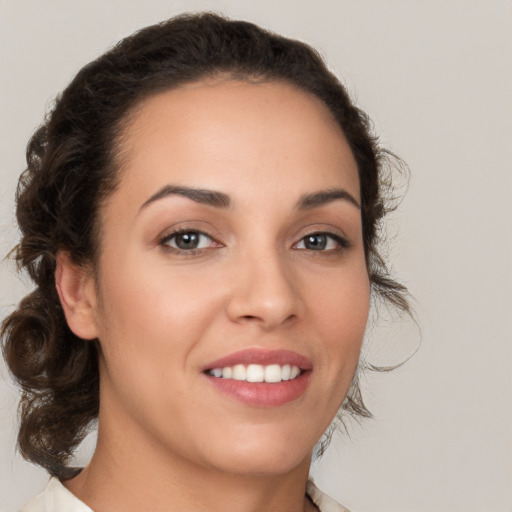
{"x":71,"y":170}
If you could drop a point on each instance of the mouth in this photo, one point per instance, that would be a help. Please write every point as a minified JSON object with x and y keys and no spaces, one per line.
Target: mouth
{"x":260,"y":378}
{"x":271,"y":373}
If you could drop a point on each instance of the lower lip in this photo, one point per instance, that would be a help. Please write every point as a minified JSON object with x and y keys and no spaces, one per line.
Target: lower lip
{"x":262,"y":394}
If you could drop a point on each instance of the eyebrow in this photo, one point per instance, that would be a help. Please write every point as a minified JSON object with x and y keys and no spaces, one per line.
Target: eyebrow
{"x":221,"y":200}
{"x":309,"y":201}
{"x":199,"y":195}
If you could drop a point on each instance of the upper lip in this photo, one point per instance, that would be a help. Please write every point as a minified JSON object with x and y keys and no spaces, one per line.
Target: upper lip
{"x":261,"y":356}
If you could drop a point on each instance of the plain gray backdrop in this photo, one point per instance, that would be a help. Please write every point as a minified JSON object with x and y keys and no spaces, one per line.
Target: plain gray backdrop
{"x":436,"y":77}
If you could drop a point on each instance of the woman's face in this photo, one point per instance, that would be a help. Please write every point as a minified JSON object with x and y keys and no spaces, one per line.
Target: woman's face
{"x":232,"y":246}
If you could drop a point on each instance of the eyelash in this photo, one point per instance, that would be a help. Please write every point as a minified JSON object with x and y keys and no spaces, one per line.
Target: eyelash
{"x":164,"y":242}
{"x":341,"y":242}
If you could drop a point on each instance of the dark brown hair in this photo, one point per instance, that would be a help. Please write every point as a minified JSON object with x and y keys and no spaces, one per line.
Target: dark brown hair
{"x":71,"y":169}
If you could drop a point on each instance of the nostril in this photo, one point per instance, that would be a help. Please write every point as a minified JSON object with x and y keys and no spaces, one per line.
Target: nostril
{"x":265,"y":300}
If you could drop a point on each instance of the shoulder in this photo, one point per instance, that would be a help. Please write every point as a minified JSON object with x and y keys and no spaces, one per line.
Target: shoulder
{"x":322,"y":501}
{"x":55,"y":498}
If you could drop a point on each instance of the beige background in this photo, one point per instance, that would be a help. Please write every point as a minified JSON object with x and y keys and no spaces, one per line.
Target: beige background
{"x":436,"y":76}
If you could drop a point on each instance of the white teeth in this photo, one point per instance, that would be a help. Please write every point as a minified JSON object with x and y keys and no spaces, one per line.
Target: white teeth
{"x":257,"y":372}
{"x":239,"y":372}
{"x":273,"y":373}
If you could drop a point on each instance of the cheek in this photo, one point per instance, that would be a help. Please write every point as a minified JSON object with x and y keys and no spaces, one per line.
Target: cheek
{"x":153,"y":318}
{"x":341,"y":308}
{"x":148,"y":326}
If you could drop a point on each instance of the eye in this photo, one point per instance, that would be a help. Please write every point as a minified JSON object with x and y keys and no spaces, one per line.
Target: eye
{"x":188,"y":240}
{"x":322,"y":242}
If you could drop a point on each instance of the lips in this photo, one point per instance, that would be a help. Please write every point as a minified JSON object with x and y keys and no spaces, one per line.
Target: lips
{"x":263,"y":357}
{"x":260,"y":378}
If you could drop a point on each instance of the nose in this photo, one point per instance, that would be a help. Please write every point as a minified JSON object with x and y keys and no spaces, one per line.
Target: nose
{"x":263,"y":292}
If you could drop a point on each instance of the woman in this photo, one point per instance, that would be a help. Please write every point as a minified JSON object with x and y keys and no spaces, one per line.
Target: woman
{"x":200,"y":216}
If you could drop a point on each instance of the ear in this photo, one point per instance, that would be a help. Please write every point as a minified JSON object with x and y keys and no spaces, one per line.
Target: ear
{"x":77,"y":292}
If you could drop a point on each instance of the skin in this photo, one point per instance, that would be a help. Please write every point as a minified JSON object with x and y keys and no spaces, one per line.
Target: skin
{"x":167,"y":439}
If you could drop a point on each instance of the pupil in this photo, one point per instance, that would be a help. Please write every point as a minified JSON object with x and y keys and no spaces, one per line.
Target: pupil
{"x":187,"y":240}
{"x":317,"y":242}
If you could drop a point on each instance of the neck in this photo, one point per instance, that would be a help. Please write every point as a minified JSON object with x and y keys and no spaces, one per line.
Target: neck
{"x":132,"y":476}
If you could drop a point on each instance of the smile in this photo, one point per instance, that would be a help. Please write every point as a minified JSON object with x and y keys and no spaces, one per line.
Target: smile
{"x":257,"y":373}
{"x":260,"y":378}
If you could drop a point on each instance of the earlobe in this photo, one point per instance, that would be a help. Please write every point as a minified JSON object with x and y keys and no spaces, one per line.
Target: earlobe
{"x":77,"y":294}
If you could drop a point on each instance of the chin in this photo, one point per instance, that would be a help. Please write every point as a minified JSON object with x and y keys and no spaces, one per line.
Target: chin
{"x":260,"y":466}
{"x":263,"y":455}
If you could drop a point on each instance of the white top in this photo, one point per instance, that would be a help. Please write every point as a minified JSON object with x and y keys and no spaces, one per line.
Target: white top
{"x":56,"y":498}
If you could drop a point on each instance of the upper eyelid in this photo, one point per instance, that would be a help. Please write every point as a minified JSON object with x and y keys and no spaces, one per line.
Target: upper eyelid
{"x":225,"y":233}
{"x":321,"y":228}
{"x":172,"y":234}
{"x":195,"y":226}
{"x":185,"y":230}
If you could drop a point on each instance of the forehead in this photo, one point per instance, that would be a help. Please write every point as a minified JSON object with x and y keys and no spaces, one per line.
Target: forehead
{"x":231,"y":135}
